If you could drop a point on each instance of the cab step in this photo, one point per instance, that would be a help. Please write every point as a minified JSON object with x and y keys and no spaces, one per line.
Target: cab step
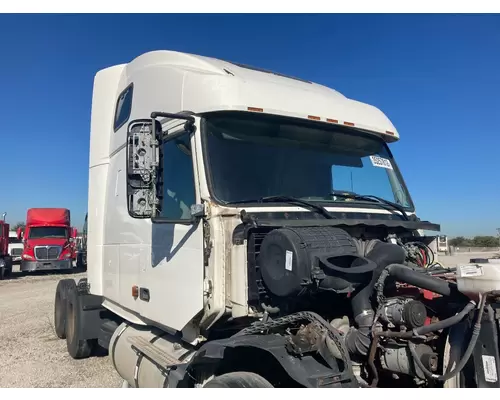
{"x":153,"y":353}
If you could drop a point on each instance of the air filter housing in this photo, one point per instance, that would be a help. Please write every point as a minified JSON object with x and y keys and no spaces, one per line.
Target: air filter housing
{"x":325,"y":258}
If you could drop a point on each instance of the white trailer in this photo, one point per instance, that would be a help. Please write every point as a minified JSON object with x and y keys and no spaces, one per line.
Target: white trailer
{"x":240,"y":223}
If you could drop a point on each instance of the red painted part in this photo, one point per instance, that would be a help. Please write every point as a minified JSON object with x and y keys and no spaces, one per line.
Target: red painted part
{"x":48,"y":216}
{"x":424,"y":257}
{"x":429,"y":296}
{"x":4,"y":238}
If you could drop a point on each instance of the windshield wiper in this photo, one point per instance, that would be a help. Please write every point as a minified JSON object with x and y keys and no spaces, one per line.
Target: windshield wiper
{"x":369,"y":197}
{"x":288,"y":199}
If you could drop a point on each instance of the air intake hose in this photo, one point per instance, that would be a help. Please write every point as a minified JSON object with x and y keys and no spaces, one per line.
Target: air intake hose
{"x":404,"y":274}
{"x":383,"y":254}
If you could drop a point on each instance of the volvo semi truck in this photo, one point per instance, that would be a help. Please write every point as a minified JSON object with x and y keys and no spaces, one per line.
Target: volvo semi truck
{"x":48,"y":240}
{"x":252,"y":229}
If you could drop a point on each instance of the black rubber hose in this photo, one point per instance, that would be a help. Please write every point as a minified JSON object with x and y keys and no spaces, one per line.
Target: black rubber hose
{"x":466,"y":356}
{"x":358,"y":340}
{"x":424,"y":281}
{"x":383,"y":254}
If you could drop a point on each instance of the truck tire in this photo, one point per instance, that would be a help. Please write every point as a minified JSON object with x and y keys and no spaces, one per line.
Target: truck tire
{"x":63,"y":287}
{"x":80,"y":265}
{"x":5,"y":267}
{"x":77,"y":347}
{"x":8,"y":267}
{"x":238,"y":380}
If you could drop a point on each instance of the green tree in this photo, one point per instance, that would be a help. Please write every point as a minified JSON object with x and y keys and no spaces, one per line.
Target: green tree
{"x":477,"y":241}
{"x":459,"y":241}
{"x":485,"y":241}
{"x":18,"y":225}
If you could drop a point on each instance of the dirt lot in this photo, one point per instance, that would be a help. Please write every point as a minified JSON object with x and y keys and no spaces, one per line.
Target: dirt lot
{"x":31,"y":355}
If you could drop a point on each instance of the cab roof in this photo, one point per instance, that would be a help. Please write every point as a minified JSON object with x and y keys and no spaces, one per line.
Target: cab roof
{"x":210,"y":84}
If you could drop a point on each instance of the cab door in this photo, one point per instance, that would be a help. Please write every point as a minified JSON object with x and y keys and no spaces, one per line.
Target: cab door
{"x":171,"y":278}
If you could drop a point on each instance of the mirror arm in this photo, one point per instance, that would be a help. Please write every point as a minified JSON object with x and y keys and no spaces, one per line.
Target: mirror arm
{"x":190,"y":120}
{"x":198,"y":210}
{"x":156,"y":114}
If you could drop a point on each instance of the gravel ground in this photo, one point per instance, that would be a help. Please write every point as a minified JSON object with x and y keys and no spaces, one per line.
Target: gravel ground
{"x":31,"y":355}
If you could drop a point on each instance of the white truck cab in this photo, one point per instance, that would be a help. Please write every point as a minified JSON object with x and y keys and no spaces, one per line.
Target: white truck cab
{"x":15,"y":247}
{"x":442,"y":243}
{"x":227,"y":202}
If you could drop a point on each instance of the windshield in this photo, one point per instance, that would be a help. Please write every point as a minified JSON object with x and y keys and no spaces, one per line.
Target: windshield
{"x":14,"y":240}
{"x":253,"y":156}
{"x":39,"y":232}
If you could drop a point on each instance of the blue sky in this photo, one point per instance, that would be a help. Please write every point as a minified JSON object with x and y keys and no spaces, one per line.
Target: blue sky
{"x":436,"y":77}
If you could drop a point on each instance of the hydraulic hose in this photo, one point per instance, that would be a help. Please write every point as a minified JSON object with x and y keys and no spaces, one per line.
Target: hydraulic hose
{"x":445,"y":323}
{"x":466,"y":356}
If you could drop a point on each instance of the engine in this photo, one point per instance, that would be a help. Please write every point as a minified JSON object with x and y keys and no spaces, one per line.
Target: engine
{"x":379,"y":294}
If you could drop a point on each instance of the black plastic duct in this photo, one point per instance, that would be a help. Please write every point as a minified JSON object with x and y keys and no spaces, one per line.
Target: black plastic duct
{"x":383,"y":254}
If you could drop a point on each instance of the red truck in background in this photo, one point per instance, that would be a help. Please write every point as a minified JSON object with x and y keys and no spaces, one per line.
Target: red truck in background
{"x":5,"y":258}
{"x":49,"y":240}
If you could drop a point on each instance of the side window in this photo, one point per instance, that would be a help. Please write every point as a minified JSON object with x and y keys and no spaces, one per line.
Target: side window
{"x":178,"y":179}
{"x":123,"y":107}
